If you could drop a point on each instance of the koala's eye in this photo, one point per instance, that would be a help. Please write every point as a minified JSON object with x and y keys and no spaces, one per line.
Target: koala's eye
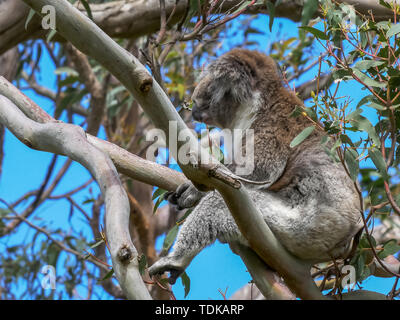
{"x":199,"y":104}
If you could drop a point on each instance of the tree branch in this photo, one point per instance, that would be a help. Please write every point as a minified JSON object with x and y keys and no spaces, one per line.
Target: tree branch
{"x":267,"y":281}
{"x":8,"y":69}
{"x":70,"y":140}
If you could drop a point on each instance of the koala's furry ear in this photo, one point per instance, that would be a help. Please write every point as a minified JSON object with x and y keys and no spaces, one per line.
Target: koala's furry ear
{"x":230,"y":75}
{"x":229,"y":68}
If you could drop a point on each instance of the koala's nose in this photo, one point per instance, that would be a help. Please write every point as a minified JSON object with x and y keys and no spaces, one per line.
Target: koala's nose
{"x":194,"y":105}
{"x":196,"y":113}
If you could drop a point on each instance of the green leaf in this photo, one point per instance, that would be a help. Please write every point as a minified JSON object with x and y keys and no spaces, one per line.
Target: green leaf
{"x":97,"y":244}
{"x":271,"y":13}
{"x":50,"y":35}
{"x":345,"y":139}
{"x":377,"y":159}
{"x":186,"y":283}
{"x":341,"y":74}
{"x":361,"y":123}
{"x":164,"y":282}
{"x":170,"y":238}
{"x":29,"y":18}
{"x":242,"y":6}
{"x":309,"y":9}
{"x":385,"y":4}
{"x":298,"y":110}
{"x":364,"y":243}
{"x":71,"y":97}
{"x":376,"y":106}
{"x":367,"y":80}
{"x":333,"y":152}
{"x":366,"y":64}
{"x":350,"y":157}
{"x":365,"y":273}
{"x":359,"y":265}
{"x":355,"y":114}
{"x":108,"y":275}
{"x":395,"y":29}
{"x":87,"y":8}
{"x":158,"y":193}
{"x":317,"y":33}
{"x":302,"y":136}
{"x":158,"y":202}
{"x":67,"y":70}
{"x":68,"y":80}
{"x":89,"y":200}
{"x":394,"y":81}
{"x":389,"y":248}
{"x":397,"y":159}
{"x":142,"y":263}
{"x":52,"y":254}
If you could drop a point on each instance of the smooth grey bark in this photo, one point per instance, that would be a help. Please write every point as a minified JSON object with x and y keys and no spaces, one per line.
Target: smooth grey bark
{"x":8,"y":68}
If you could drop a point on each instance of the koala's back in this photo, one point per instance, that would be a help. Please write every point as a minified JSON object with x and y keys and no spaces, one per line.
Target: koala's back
{"x":319,"y":208}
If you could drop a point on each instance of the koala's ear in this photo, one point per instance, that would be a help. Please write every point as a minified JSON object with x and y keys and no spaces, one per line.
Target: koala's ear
{"x":230,"y":69}
{"x":231,"y":76}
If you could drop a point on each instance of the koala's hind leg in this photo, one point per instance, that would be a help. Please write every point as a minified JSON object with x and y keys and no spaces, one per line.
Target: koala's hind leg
{"x":209,"y":221}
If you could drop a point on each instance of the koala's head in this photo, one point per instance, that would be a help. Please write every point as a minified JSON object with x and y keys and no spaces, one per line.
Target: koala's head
{"x":229,"y":83}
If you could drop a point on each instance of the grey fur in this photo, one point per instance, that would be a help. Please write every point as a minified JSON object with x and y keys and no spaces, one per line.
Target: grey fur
{"x":311,"y":205}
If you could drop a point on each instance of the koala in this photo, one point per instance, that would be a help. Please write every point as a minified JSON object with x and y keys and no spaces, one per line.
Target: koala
{"x":309,"y":202}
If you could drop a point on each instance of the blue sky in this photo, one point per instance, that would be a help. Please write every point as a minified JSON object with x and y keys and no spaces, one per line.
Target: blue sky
{"x":214,"y":268}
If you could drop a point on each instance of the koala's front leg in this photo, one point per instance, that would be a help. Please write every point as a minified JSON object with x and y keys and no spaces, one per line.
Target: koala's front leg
{"x":185,"y":196}
{"x":208,"y":221}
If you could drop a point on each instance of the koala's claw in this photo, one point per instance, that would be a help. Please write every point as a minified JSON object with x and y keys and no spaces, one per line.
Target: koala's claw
{"x":166,"y":264}
{"x":185,"y":196}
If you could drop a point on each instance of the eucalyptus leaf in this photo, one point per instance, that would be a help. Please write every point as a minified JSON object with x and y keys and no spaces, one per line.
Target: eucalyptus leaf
{"x":158,"y":202}
{"x":186,"y":283}
{"x":352,"y":163}
{"x":309,"y":9}
{"x":367,"y":80}
{"x":317,"y":33}
{"x":376,"y":106}
{"x":302,"y":136}
{"x":67,"y":70}
{"x":271,"y":14}
{"x":108,"y":275}
{"x":395,"y":29}
{"x":362,"y":123}
{"x":364,"y":100}
{"x":50,"y":35}
{"x":142,"y":263}
{"x":87,"y":8}
{"x":29,"y":18}
{"x":366,"y":64}
{"x":377,"y":159}
{"x":391,"y":247}
{"x":158,"y":193}
{"x":170,"y":238}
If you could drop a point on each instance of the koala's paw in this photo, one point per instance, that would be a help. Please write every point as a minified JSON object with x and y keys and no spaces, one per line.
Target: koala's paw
{"x":167,"y":264}
{"x":185,"y":196}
